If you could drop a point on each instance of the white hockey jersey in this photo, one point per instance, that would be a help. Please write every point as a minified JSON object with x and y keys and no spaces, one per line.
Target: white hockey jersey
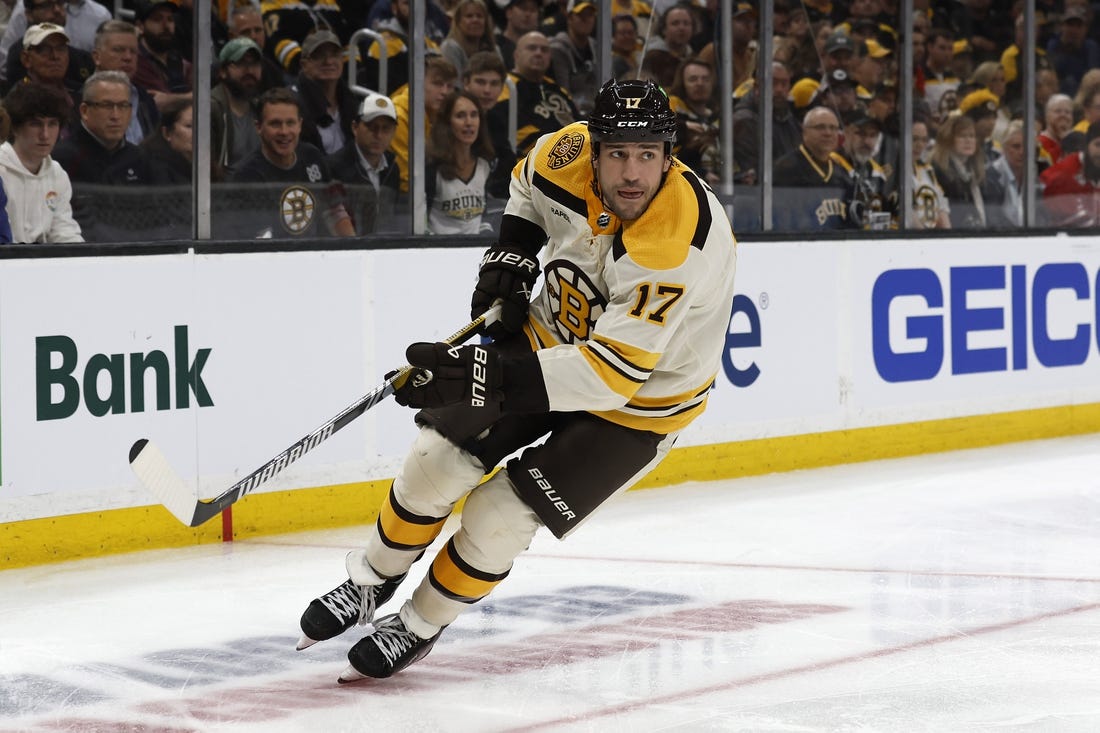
{"x":632,"y":317}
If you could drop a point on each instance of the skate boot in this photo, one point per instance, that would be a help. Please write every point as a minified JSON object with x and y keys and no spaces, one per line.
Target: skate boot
{"x":343,"y":607}
{"x":390,"y":649}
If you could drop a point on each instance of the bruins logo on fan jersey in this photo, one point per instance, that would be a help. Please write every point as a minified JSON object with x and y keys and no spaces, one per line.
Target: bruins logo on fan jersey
{"x":565,"y":150}
{"x":575,"y":301}
{"x":297,"y":207}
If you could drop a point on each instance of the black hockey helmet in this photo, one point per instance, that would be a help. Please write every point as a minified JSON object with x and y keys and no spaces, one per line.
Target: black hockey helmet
{"x":632,"y":111}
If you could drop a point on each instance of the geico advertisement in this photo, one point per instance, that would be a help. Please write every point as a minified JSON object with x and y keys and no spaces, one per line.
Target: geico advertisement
{"x":222,"y":360}
{"x":1010,"y":324}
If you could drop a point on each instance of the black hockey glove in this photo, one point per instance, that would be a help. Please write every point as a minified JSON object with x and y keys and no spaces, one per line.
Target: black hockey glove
{"x":507,"y":274}
{"x":470,"y":374}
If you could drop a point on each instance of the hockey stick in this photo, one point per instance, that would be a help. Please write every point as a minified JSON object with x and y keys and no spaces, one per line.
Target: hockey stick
{"x":165,"y":484}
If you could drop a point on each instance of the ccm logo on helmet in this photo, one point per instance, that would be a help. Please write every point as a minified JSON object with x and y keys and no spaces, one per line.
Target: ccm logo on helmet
{"x":633,"y":123}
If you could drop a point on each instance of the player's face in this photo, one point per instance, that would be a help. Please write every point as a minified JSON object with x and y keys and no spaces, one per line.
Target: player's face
{"x":630,"y":174}
{"x":279,"y":131}
{"x":465,"y":122}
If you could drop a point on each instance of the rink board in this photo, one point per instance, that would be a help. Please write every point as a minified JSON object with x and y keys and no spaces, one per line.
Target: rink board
{"x":836,"y":352}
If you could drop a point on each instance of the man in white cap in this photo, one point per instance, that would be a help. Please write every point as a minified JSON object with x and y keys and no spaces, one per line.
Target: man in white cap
{"x":80,"y":19}
{"x":366,"y":165}
{"x":45,"y":56}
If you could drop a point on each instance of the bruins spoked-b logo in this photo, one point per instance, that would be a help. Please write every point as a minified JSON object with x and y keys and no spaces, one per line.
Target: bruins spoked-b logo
{"x":565,"y":150}
{"x":297,"y":207}
{"x":574,"y":300}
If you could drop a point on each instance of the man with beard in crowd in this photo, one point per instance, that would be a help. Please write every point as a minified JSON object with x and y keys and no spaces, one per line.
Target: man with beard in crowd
{"x":240,"y":65}
{"x":873,"y":201}
{"x":162,"y":71}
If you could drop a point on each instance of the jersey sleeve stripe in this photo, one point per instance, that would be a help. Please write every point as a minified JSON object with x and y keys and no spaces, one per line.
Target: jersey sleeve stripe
{"x":556,"y":193}
{"x":702,"y":229}
{"x":620,"y":365}
{"x":619,"y":382}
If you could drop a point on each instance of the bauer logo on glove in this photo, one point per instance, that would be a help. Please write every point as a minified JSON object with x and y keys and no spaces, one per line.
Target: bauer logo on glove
{"x":446,"y":375}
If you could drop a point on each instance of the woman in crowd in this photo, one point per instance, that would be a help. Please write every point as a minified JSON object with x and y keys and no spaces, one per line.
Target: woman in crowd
{"x":459,"y":161}
{"x":170,"y":149}
{"x":471,"y":31}
{"x":692,"y":98}
{"x":959,"y":165}
{"x":931,"y":209}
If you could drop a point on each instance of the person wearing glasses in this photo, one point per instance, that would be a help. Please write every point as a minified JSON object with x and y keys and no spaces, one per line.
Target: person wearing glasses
{"x":45,"y":57}
{"x":813,"y":182}
{"x":80,"y":65}
{"x":79,"y":18}
{"x":97,"y":151}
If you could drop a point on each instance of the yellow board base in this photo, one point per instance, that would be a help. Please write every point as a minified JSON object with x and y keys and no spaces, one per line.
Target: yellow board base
{"x":71,"y":537}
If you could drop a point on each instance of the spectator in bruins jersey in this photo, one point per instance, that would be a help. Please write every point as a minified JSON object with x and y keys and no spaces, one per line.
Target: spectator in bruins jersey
{"x":593,"y":378}
{"x":439,"y":79}
{"x":940,"y":81}
{"x":276,"y":209}
{"x":471,"y":32}
{"x":692,"y":98}
{"x":785,"y":129}
{"x":289,"y":23}
{"x":813,"y":181}
{"x":542,"y":106}
{"x":328,"y":106}
{"x":459,"y":159}
{"x":931,"y":209}
{"x":959,"y":164}
{"x":873,"y":201}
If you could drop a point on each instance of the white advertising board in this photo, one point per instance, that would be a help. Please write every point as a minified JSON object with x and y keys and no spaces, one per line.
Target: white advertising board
{"x":242,"y":354}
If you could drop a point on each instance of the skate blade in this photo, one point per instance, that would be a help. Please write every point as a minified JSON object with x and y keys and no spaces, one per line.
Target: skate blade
{"x":351,"y":674}
{"x":305,"y":643}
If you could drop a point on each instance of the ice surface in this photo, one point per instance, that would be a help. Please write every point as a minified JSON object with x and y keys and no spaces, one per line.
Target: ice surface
{"x":941,"y":593}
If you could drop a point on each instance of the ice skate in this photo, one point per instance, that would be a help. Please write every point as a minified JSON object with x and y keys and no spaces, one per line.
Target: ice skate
{"x":390,"y":649}
{"x":343,"y":607}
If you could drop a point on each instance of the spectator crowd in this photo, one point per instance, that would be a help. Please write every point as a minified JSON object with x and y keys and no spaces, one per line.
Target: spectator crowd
{"x":97,"y":110}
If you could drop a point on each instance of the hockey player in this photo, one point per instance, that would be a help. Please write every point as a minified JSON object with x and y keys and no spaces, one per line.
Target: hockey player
{"x":609,"y":362}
